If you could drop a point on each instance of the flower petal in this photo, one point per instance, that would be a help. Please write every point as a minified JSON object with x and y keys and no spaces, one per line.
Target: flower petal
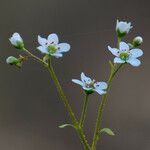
{"x":123,"y":46}
{"x":63,"y":47}
{"x":77,"y":82}
{"x":134,"y":62}
{"x":85,"y":79}
{"x":100,"y":91}
{"x":114,"y":51}
{"x":100,"y":85}
{"x":57,"y":55}
{"x":87,"y":89}
{"x":43,"y":49}
{"x":13,"y":42}
{"x":136,"y":53}
{"x":17,"y":37}
{"x":42,"y":41}
{"x":53,"y":38}
{"x":118,"y":60}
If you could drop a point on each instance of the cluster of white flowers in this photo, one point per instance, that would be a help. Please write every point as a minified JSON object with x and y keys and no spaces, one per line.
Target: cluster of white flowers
{"x":125,"y":53}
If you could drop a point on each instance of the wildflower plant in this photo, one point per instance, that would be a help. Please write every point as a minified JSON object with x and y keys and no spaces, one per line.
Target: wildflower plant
{"x":51,"y":47}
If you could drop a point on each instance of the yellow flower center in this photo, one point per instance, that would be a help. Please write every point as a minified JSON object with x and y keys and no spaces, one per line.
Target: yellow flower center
{"x":52,"y":49}
{"x":124,"y":56}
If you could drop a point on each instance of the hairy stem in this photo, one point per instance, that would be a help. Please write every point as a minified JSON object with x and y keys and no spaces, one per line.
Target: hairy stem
{"x":101,"y":107}
{"x":65,"y":101}
{"x":84,"y":110}
{"x":119,"y":40}
{"x":35,"y":57}
{"x":63,"y":97}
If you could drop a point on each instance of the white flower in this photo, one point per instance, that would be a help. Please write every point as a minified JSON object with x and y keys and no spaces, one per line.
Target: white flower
{"x":137,"y":41}
{"x":17,"y":41}
{"x":126,"y":55}
{"x":51,"y":46}
{"x":123,"y":28}
{"x":90,"y":85}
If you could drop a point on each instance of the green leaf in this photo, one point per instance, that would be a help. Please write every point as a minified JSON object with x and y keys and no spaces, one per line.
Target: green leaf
{"x":45,"y":58}
{"x":107,"y":131}
{"x":66,"y":125}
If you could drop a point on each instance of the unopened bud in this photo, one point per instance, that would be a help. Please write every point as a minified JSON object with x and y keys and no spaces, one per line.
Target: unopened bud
{"x":17,"y":41}
{"x":137,"y":41}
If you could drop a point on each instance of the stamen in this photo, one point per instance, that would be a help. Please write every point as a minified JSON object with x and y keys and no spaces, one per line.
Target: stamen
{"x":124,"y":56}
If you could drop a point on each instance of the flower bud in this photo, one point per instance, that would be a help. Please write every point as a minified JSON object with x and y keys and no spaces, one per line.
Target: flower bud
{"x":11,"y":60}
{"x":17,"y":41}
{"x":137,"y":41}
{"x":122,"y":28}
{"x":45,"y":58}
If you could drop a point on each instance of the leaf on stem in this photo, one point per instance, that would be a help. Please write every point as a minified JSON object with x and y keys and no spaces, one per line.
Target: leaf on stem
{"x":66,"y":125}
{"x":107,"y":131}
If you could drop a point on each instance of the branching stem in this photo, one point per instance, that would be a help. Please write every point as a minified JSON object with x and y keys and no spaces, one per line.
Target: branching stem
{"x":101,"y":107}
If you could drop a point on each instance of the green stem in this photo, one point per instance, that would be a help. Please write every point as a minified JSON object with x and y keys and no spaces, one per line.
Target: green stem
{"x":65,"y":101}
{"x":35,"y":57}
{"x":58,"y":86}
{"x":119,"y":40}
{"x":84,"y":110}
{"x":101,"y":107}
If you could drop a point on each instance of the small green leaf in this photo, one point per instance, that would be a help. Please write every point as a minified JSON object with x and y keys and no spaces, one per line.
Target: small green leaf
{"x":45,"y":58}
{"x":107,"y":131}
{"x":66,"y":125}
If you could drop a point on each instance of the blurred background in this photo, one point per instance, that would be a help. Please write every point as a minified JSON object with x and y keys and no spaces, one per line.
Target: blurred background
{"x":30,"y":108}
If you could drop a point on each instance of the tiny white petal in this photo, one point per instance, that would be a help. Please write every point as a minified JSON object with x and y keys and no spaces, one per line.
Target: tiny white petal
{"x":134,"y":62}
{"x":42,"y":41}
{"x":86,"y":88}
{"x":63,"y":47}
{"x":100,"y":85}
{"x":136,"y":53}
{"x":123,"y":46}
{"x":85,"y":79}
{"x":100,"y":91}
{"x":57,"y":55}
{"x":77,"y":82}
{"x":13,"y":42}
{"x":114,"y":51}
{"x":15,"y":39}
{"x":43,"y":49}
{"x":118,"y":60}
{"x":53,"y":38}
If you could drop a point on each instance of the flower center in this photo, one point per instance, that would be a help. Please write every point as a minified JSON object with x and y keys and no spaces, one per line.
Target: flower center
{"x":52,"y":49}
{"x":124,"y":56}
{"x":90,"y":85}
